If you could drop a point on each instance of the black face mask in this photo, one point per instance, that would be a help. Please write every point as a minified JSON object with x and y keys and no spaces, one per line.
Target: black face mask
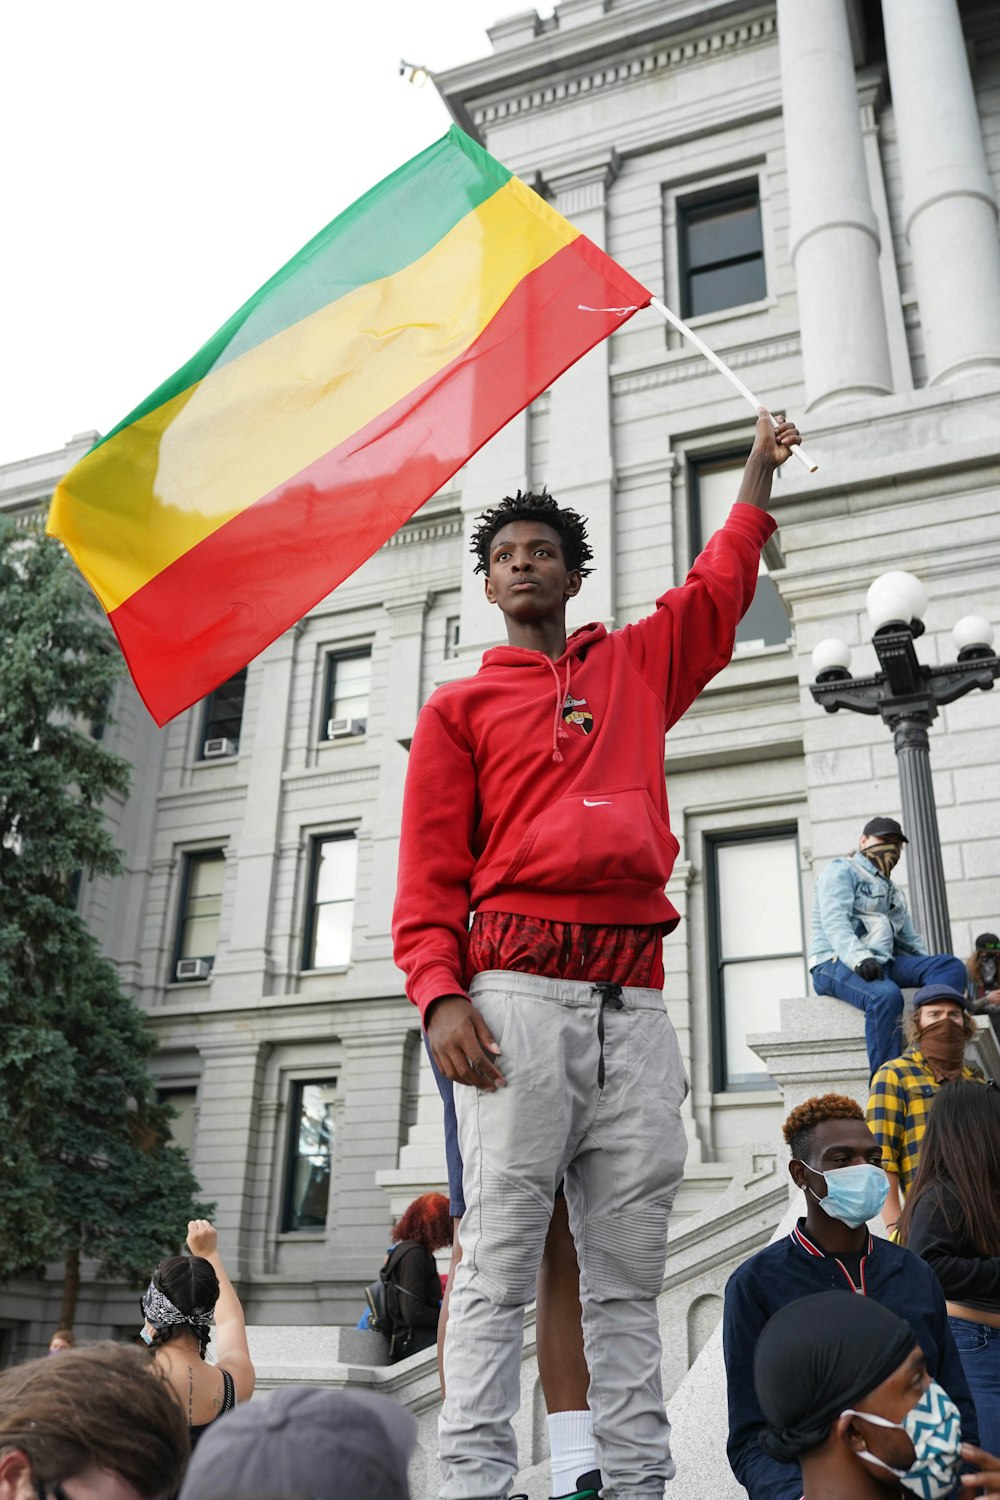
{"x":989,"y":965}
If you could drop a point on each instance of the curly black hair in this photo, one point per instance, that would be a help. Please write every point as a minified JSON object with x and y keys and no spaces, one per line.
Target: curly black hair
{"x":570,"y":527}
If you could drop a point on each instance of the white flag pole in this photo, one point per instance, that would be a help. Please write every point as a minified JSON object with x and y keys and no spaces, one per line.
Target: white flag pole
{"x":724,"y":369}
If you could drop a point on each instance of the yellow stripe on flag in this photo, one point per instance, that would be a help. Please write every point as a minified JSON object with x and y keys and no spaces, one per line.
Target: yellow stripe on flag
{"x":158,"y":488}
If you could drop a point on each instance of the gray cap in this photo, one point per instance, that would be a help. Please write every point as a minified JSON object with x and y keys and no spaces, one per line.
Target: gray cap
{"x":301,"y":1440}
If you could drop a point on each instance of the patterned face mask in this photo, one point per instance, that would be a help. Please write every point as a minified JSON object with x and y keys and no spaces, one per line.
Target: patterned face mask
{"x":885,"y":857}
{"x":934,"y":1427}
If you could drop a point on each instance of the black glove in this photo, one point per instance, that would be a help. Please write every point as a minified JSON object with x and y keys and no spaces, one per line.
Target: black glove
{"x":869,"y":968}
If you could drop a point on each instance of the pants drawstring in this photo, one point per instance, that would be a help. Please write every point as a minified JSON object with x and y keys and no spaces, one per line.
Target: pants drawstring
{"x":611,"y":996}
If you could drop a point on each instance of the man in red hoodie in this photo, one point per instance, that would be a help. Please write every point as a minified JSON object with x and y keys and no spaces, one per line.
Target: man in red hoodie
{"x":535,"y":798}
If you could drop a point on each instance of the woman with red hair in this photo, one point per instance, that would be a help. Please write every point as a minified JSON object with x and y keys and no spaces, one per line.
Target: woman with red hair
{"x":413,"y":1286}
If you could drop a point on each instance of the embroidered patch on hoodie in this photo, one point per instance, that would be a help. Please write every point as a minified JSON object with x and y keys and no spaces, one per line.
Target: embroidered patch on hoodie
{"x":576,"y":713}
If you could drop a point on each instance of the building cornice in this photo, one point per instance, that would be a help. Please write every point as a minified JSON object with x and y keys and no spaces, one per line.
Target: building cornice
{"x":693,"y":367}
{"x":554,"y":67}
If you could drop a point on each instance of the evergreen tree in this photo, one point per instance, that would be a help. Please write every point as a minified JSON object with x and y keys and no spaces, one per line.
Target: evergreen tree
{"x":87,"y":1167}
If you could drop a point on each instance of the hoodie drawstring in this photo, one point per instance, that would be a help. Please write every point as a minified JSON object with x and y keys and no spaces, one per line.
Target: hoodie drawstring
{"x":558,"y":730}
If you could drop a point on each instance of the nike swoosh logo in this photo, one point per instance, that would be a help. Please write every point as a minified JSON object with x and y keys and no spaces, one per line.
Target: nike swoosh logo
{"x":587,"y":803}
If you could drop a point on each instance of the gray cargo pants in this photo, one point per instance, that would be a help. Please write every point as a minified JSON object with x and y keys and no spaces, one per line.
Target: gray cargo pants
{"x":594,"y":1088}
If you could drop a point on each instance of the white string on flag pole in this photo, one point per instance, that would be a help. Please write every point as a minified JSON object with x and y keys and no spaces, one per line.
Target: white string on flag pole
{"x":724,"y":369}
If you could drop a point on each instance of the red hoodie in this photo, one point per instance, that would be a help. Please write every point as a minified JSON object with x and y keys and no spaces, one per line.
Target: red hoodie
{"x":516,"y":801}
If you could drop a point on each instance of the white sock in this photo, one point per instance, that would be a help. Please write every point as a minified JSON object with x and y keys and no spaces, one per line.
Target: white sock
{"x":571,"y":1447}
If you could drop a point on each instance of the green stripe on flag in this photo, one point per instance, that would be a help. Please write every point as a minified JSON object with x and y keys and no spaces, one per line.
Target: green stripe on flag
{"x":387,"y":229}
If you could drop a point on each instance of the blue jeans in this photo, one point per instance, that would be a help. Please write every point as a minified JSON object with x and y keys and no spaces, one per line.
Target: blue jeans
{"x":979,"y":1350}
{"x":882,"y":999}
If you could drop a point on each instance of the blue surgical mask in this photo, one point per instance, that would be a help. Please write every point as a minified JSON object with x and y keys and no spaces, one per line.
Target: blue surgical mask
{"x":853,"y":1194}
{"x":934,"y":1427}
{"x":147,"y":1338}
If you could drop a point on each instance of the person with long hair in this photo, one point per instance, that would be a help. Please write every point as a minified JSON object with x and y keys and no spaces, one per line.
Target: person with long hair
{"x":983,"y":969}
{"x":186,"y":1295}
{"x":952,"y":1219}
{"x":410,"y":1273}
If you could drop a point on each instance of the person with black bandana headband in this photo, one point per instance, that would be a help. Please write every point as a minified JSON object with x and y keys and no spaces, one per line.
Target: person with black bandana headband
{"x":844,"y":1386}
{"x":983,"y":968}
{"x":864,"y":947}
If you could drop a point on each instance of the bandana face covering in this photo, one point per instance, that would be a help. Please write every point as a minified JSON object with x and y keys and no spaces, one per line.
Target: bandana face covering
{"x":934,"y":1427}
{"x":885,"y":857}
{"x":943,"y":1045}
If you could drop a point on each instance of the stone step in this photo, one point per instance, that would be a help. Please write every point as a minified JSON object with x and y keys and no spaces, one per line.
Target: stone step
{"x":703,"y":1184}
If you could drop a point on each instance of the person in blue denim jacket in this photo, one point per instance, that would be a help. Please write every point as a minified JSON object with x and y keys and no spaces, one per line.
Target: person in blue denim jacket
{"x":865,"y":948}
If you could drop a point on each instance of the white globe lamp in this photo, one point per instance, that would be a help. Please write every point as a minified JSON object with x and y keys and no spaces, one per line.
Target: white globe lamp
{"x":895,"y":599}
{"x":830,"y":659}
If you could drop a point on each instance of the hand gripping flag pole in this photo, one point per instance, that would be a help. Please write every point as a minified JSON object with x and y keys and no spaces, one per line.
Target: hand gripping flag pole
{"x":724,"y":369}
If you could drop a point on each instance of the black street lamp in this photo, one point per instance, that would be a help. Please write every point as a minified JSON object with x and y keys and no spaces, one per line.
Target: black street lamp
{"x":908,"y":695}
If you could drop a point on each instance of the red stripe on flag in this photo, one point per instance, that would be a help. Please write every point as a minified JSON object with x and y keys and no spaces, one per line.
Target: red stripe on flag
{"x":212,"y":610}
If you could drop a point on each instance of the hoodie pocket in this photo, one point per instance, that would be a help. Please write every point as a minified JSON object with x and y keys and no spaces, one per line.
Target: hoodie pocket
{"x":596,"y":838}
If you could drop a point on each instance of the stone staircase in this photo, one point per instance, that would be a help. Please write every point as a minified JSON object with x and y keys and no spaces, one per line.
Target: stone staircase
{"x":723,"y":1215}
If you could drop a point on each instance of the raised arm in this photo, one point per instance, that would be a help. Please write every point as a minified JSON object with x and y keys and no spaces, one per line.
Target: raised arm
{"x":232,"y":1351}
{"x":690,"y":636}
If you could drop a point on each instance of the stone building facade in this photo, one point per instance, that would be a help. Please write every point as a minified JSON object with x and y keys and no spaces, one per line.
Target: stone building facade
{"x":813,"y":183}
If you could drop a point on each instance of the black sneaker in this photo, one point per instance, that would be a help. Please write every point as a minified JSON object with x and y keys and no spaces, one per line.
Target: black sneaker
{"x":588,"y":1487}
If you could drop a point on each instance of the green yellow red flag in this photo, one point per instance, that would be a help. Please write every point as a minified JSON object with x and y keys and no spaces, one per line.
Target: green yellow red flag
{"x":324,"y":413}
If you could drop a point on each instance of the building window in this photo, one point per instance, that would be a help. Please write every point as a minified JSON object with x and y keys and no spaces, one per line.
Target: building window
{"x":715,"y":483}
{"x":721,"y":250}
{"x":756,"y":949}
{"x":224,"y":718}
{"x":345,"y":700}
{"x":452,"y":637}
{"x":310,"y":1156}
{"x":184,"y":1103}
{"x":200,"y":909}
{"x":332,"y":878}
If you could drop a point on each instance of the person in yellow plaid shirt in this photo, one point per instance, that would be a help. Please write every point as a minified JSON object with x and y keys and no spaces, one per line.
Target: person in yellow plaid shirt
{"x":903,"y":1090}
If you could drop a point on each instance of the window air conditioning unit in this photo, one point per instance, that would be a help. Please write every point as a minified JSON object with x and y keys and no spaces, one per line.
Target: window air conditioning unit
{"x":344,"y":729}
{"x":217,"y":749}
{"x":193,"y":968}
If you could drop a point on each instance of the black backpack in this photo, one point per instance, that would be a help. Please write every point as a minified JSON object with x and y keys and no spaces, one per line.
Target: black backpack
{"x":382,"y":1296}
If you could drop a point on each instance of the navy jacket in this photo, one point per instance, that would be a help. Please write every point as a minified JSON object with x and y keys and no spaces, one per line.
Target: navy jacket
{"x":794,"y":1267}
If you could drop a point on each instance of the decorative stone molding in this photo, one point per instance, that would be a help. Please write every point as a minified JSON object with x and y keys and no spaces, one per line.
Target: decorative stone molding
{"x":296,"y":782}
{"x":644,"y":65}
{"x":201,"y":798}
{"x":426,"y":531}
{"x":682,"y":370}
{"x":407,"y":613}
{"x":586,"y":187}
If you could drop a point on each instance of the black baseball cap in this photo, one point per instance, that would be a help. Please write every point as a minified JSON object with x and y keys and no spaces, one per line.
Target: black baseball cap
{"x":988,"y":940}
{"x":886,"y":828}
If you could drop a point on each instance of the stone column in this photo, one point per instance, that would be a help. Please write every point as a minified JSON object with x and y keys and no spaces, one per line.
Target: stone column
{"x":833,"y":233}
{"x":949,"y":206}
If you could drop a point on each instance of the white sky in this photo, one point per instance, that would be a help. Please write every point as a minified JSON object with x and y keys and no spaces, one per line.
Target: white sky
{"x":159,"y":162}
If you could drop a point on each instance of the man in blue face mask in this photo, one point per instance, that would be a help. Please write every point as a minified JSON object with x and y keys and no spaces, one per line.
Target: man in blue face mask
{"x":836,"y":1163}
